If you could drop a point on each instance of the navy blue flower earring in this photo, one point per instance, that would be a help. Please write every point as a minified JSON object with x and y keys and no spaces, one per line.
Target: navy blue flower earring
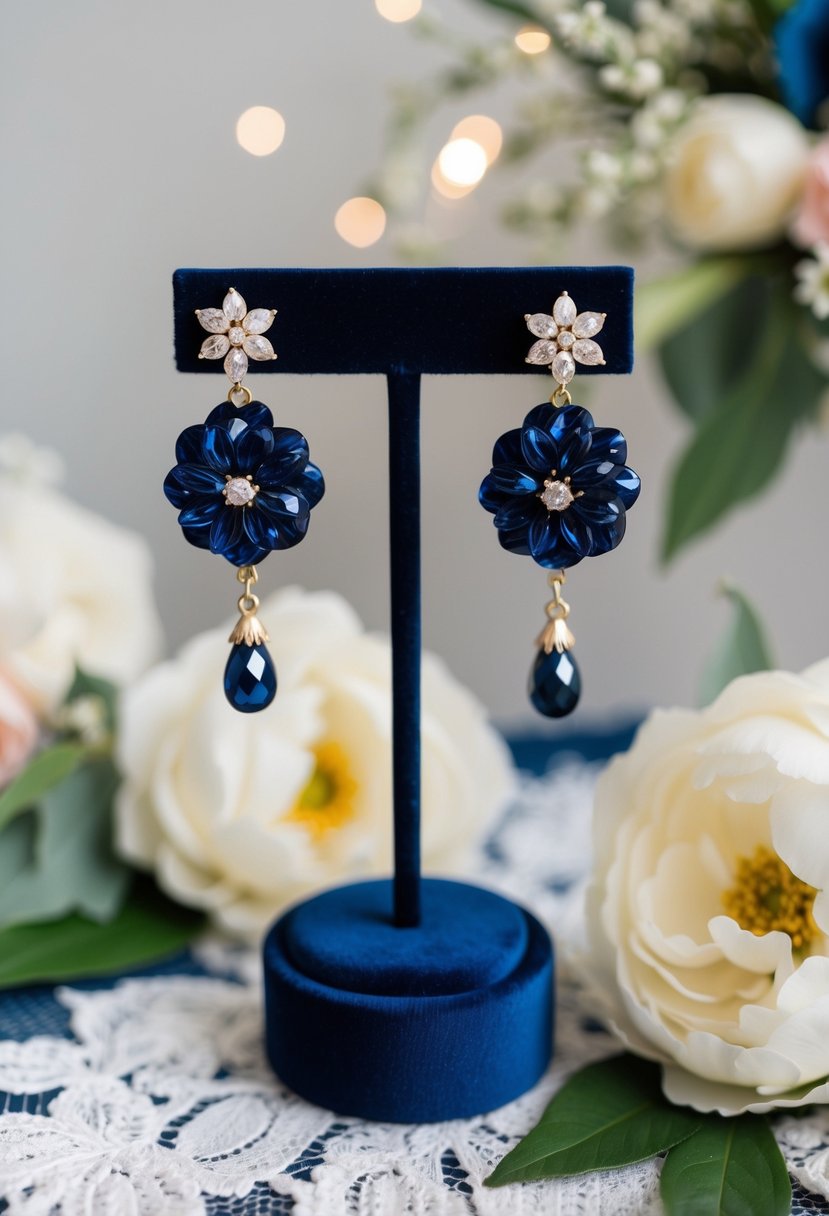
{"x":559,"y":488}
{"x":243,"y":487}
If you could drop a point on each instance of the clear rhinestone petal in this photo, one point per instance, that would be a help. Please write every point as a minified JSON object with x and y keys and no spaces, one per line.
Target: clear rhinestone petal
{"x":587,"y":351}
{"x":214,"y":347}
{"x":258,"y":347}
{"x":588,"y":324}
{"x":259,"y":320}
{"x":236,"y":365}
{"x":564,"y":310}
{"x":212,"y":319}
{"x":564,"y":369}
{"x":233,"y":306}
{"x":565,"y":340}
{"x":542,"y":325}
{"x":541,"y":352}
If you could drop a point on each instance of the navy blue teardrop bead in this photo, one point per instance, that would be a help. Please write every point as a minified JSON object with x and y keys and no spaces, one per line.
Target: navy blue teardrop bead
{"x":555,"y":684}
{"x":250,"y":678}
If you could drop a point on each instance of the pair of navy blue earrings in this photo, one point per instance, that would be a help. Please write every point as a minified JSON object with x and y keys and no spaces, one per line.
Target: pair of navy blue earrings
{"x":559,"y":488}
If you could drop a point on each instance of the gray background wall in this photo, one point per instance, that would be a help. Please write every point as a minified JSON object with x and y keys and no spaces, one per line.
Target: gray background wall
{"x":120,"y":163}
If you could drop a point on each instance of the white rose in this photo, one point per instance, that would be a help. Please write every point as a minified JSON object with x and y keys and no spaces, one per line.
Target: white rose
{"x":242,"y":814}
{"x":74,"y":588}
{"x":709,"y":909}
{"x":735,"y":171}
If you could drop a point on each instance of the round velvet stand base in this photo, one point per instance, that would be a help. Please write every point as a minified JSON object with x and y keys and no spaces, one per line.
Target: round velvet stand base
{"x":443,"y":1021}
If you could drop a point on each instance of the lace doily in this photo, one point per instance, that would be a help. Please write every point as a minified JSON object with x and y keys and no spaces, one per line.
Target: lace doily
{"x":152,"y":1096}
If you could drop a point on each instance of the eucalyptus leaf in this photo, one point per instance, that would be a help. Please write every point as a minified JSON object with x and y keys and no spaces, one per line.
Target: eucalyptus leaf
{"x":607,"y":1115}
{"x":729,"y":1167}
{"x":705,"y":359}
{"x":667,"y":305}
{"x":46,"y":770}
{"x":741,"y":442}
{"x":742,"y":650}
{"x":148,"y":927}
{"x":58,"y":857}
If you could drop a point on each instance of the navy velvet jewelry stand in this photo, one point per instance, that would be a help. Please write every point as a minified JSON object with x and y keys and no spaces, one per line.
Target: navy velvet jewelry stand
{"x":408,"y":999}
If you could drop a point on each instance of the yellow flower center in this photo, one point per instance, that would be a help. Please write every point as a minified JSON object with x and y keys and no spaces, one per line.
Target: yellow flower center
{"x":767,"y":896}
{"x":327,"y":802}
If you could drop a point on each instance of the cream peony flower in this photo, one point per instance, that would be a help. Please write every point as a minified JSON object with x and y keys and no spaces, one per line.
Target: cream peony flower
{"x":242,"y":814}
{"x":709,"y":909}
{"x":735,"y":172}
{"x":74,"y":588}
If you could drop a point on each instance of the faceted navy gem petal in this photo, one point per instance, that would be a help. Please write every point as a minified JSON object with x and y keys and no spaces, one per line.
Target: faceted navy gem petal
{"x":253,"y":445}
{"x":609,"y":444}
{"x":310,"y":484}
{"x":490,"y":496}
{"x":539,"y":449}
{"x":555,"y":684}
{"x":289,"y":455}
{"x":549,"y":544}
{"x":517,"y":512}
{"x":514,"y":480}
{"x":200,"y":537}
{"x":272,"y":530}
{"x":250,"y":678}
{"x":256,"y":414}
{"x":574,"y":450}
{"x":195,"y":479}
{"x":189,"y":445}
{"x":217,"y":448}
{"x":223,"y":412}
{"x":507,"y":449}
{"x":227,"y":529}
{"x":200,"y":512}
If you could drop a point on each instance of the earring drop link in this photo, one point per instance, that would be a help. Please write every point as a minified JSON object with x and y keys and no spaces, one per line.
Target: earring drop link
{"x":560,"y":396}
{"x":556,"y":634}
{"x":234,"y":391}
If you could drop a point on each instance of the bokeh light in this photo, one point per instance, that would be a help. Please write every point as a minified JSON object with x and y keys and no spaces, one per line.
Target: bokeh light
{"x":260,"y":130}
{"x":532,"y":40}
{"x":484,"y":131}
{"x":462,"y":162}
{"x":360,"y":222}
{"x":398,"y":10}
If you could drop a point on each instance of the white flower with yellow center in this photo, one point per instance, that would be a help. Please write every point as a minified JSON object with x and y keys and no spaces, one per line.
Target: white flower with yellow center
{"x":241,"y":815}
{"x":709,"y":909}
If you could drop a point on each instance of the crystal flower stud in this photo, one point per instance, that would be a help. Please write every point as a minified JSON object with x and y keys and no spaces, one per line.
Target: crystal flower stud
{"x":565,"y":338}
{"x":236,"y":334}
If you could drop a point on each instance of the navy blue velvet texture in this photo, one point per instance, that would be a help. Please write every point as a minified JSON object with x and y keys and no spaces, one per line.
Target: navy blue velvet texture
{"x":404,"y":537}
{"x":345,"y":938}
{"x":431,"y":321}
{"x":427,"y":1052}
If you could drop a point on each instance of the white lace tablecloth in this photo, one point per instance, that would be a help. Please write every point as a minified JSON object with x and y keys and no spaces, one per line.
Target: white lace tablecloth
{"x":152,"y":1095}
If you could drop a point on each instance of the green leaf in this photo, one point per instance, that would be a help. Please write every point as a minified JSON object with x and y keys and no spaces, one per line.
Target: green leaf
{"x":525,"y":11}
{"x":45,"y":771}
{"x":58,"y":857}
{"x":707,"y":357}
{"x":743,"y":649}
{"x":609,"y":1114}
{"x":148,"y":927}
{"x":730,"y":1167}
{"x":667,"y":305}
{"x":86,"y":685}
{"x":741,"y":441}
